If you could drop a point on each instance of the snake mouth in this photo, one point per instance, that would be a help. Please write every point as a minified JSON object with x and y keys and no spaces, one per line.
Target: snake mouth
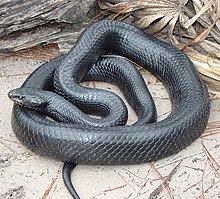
{"x":17,"y":101}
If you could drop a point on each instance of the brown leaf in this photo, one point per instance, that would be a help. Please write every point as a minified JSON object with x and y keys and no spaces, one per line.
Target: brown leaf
{"x":147,"y":20}
{"x":161,"y":24}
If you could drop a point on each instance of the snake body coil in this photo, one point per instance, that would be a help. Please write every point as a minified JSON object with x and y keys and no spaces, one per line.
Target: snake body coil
{"x":133,"y":144}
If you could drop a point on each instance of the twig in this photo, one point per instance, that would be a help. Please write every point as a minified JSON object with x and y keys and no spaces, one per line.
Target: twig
{"x":122,"y":177}
{"x":133,"y":174}
{"x":163,"y":180}
{"x":8,"y":147}
{"x":203,"y":174}
{"x":192,"y":186}
{"x":210,"y":156}
{"x":46,"y":193}
{"x":45,"y":52}
{"x":14,"y":75}
{"x":12,"y":141}
{"x":124,"y":17}
{"x":209,"y":188}
{"x":213,"y":128}
{"x":175,"y":161}
{"x":213,"y":167}
{"x":213,"y":110}
{"x":121,"y":12}
{"x":109,"y":190}
{"x":210,"y":134}
{"x":190,"y":42}
{"x":158,"y":190}
{"x":115,"y":188}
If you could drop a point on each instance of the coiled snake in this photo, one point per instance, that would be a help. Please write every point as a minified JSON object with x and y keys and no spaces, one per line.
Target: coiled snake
{"x":99,"y":141}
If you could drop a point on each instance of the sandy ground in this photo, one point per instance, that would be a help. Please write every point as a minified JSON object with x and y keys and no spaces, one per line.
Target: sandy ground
{"x":192,"y":173}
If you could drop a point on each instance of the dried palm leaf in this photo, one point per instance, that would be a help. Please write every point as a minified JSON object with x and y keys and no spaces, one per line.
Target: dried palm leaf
{"x":148,"y":11}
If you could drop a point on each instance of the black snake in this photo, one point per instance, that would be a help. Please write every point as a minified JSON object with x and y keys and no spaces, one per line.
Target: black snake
{"x":85,"y":143}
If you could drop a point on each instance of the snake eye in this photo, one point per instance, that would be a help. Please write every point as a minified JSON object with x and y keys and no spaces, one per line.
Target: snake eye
{"x":21,"y":97}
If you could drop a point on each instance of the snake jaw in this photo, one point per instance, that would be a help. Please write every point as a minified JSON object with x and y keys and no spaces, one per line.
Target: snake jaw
{"x":17,"y":101}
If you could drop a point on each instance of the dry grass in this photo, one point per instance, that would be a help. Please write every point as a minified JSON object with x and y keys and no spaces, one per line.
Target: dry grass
{"x":191,"y":25}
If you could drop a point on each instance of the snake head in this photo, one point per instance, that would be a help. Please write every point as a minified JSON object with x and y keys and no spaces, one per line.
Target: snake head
{"x":27,"y":97}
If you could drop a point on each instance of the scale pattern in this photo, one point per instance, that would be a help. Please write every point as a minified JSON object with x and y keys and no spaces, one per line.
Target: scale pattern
{"x":121,"y":144}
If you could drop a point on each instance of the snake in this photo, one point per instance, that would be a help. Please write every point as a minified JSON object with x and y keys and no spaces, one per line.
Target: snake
{"x":103,"y":141}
